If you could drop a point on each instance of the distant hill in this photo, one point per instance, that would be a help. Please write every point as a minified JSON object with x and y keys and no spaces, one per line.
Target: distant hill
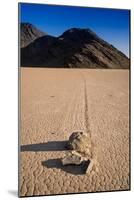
{"x":75,"y":48}
{"x":29,"y":33}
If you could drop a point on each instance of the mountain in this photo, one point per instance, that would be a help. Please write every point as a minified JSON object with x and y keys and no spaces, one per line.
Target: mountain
{"x":75,"y":48}
{"x":28,"y":34}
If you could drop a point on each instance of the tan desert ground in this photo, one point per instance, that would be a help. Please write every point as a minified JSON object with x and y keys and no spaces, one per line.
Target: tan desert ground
{"x":56,"y":102}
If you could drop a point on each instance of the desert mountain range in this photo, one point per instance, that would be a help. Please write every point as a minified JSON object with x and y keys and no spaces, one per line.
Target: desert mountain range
{"x":75,"y":48}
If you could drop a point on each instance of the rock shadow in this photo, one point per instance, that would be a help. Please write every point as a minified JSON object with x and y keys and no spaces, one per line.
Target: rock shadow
{"x":47,"y":146}
{"x":72,"y":169}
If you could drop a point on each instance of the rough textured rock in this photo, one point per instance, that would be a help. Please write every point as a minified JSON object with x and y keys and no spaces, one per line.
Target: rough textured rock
{"x":80,"y":142}
{"x":72,"y":157}
{"x":81,"y":151}
{"x":28,"y":34}
{"x":75,"y":48}
{"x":89,"y":166}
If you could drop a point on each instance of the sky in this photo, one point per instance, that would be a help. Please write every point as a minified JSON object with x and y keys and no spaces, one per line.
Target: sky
{"x":111,"y":25}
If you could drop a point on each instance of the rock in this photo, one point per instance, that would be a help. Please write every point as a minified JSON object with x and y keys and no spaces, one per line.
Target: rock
{"x":89,"y":167}
{"x":80,"y":153}
{"x":72,"y":157}
{"x":80,"y":142}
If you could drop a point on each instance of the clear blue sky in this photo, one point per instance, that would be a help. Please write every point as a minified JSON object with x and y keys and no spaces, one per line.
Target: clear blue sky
{"x":110,"y":24}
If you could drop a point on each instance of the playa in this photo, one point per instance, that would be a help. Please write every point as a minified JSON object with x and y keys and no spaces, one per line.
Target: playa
{"x":56,"y":102}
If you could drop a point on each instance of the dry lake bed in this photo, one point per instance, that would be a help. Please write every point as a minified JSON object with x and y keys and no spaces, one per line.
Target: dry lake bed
{"x":56,"y":102}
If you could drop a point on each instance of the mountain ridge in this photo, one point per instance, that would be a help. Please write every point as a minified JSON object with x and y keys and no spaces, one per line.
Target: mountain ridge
{"x":29,"y":33}
{"x":75,"y":48}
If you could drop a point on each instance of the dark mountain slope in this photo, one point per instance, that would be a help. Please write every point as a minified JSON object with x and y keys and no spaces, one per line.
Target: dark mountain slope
{"x":29,"y":33}
{"x":75,"y":48}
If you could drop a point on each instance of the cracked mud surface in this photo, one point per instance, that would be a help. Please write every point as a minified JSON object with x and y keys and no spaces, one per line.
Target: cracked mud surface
{"x":55,"y":103}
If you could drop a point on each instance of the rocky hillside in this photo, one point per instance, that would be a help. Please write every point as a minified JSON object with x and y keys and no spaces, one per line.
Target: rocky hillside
{"x":28,"y":34}
{"x":75,"y":48}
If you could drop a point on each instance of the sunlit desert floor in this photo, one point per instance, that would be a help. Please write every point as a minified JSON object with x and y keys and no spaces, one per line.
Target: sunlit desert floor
{"x":56,"y":102}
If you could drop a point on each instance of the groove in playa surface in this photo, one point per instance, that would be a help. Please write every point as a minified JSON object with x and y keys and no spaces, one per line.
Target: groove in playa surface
{"x":87,"y":124}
